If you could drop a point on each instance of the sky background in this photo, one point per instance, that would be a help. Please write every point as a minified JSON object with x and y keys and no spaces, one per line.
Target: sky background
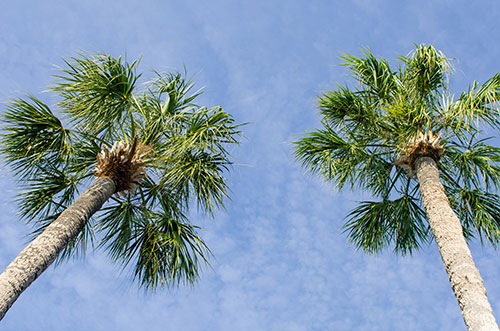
{"x":282,"y":262}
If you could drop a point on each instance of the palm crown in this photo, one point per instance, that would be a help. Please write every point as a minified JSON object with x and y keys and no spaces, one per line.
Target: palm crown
{"x":371,"y":135}
{"x":182,"y":149}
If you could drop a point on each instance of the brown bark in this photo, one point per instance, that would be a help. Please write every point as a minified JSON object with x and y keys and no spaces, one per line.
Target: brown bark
{"x":466,"y":282}
{"x":43,"y":251}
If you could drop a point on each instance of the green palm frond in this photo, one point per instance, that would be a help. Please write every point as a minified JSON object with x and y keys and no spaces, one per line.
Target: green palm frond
{"x":405,"y":119}
{"x":374,"y":73}
{"x":158,"y":195}
{"x":367,"y":225}
{"x":473,"y":162}
{"x":479,"y":211}
{"x":33,"y":136}
{"x":164,"y":108}
{"x":425,"y":75}
{"x":199,"y":174}
{"x":205,"y":130}
{"x":168,"y":251}
{"x":47,"y":194}
{"x":173,"y":92}
{"x":96,"y":91}
{"x":344,"y":161}
{"x":373,"y":225}
{"x":84,"y":157}
{"x":150,"y":231}
{"x":344,"y":107}
{"x":150,"y":122}
{"x":325,"y":153}
{"x":376,"y":175}
{"x":118,"y":222}
{"x":477,"y":103}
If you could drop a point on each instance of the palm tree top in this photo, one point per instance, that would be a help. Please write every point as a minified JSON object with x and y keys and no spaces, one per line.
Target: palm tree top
{"x":162,"y":150}
{"x":372,"y":133}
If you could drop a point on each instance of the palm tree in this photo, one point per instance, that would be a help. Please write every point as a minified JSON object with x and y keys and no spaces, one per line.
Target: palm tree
{"x":157,"y":153}
{"x":402,"y":132}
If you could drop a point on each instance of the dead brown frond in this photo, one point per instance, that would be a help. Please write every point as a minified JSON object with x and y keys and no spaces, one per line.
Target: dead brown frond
{"x":124,"y":163}
{"x":424,"y":144}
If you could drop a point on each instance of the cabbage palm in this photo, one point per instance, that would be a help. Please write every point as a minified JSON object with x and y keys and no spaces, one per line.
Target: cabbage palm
{"x":423,"y":155}
{"x":148,"y":151}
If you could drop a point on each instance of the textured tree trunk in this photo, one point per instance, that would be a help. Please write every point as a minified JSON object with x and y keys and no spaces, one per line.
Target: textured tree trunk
{"x":42,"y":251}
{"x":464,"y":276}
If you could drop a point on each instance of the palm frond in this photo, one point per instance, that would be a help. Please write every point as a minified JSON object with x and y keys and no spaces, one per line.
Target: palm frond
{"x":477,"y":103}
{"x":199,"y":174}
{"x":473,"y":162}
{"x":480,"y":211}
{"x":47,"y":194}
{"x":208,"y":130}
{"x":186,"y":151}
{"x":375,"y":224}
{"x":425,"y":75}
{"x":84,"y":156}
{"x":33,"y":136}
{"x":343,"y":107}
{"x":325,"y":153}
{"x":164,"y":108}
{"x":158,"y":195}
{"x":173,"y":92}
{"x":344,"y":161}
{"x":169,"y":252}
{"x":374,"y":73}
{"x":118,"y":222}
{"x":96,"y":91}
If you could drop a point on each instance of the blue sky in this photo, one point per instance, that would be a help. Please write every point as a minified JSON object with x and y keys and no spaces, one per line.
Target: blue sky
{"x":282,"y":262}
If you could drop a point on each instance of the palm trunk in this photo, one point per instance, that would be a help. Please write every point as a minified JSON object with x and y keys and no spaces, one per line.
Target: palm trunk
{"x":42,"y":251}
{"x":464,"y":276}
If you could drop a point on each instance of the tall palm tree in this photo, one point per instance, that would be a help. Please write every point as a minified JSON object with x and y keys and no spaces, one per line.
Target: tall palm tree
{"x":402,"y":137}
{"x":157,"y":152}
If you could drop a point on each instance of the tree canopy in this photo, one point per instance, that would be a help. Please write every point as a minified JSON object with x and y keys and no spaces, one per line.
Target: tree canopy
{"x":370,"y":134}
{"x":185,"y":150}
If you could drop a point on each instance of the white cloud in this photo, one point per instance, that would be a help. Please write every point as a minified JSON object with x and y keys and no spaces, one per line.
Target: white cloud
{"x":282,"y":262}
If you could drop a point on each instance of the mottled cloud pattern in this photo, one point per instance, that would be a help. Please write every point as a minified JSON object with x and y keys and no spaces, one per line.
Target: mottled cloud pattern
{"x":281,"y":260}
